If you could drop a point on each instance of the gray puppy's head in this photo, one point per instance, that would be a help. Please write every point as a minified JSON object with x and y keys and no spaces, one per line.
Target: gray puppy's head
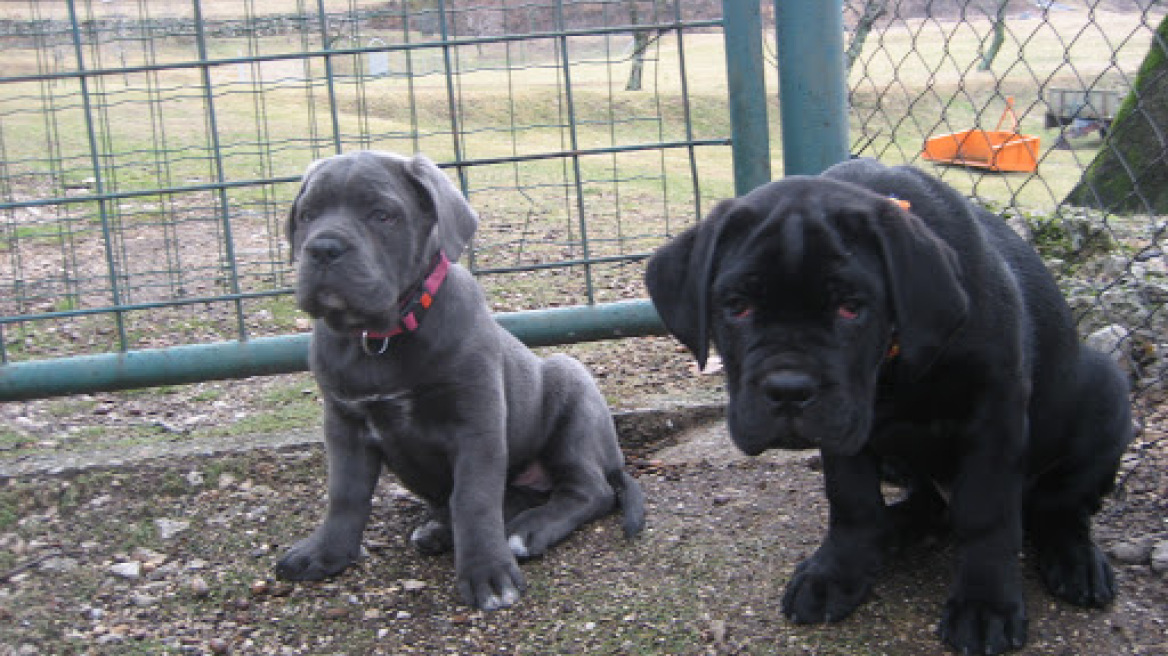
{"x":365,"y":228}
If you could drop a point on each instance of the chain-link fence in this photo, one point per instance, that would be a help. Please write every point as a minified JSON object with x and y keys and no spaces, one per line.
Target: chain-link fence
{"x":1056,"y":114}
{"x":149,"y":150}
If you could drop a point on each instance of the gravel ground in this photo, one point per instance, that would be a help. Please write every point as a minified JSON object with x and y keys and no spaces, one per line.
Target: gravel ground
{"x":166,"y":545}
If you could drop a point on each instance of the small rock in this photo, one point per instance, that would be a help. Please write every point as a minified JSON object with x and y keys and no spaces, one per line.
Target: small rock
{"x":58,"y":564}
{"x":280,"y":589}
{"x":1160,"y":557}
{"x":198,"y":586}
{"x":1113,"y":341}
{"x":411,"y":585}
{"x":130,"y":570}
{"x":1131,"y":553}
{"x":168,"y":528}
{"x":718,"y":631}
{"x":336,"y":612}
{"x":143,"y":600}
{"x":217,"y":646}
{"x":149,"y":556}
{"x":259,"y":587}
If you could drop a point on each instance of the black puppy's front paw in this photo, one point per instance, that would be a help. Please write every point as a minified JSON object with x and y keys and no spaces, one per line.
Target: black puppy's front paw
{"x":822,"y":591}
{"x":491,"y":584}
{"x":1077,"y":572}
{"x":315,"y":558}
{"x":980,"y":627}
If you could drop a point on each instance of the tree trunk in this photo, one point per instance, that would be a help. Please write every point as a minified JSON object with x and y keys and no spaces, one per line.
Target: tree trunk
{"x":1130,"y":171}
{"x":987,"y":59}
{"x":641,"y":42}
{"x":873,"y":9}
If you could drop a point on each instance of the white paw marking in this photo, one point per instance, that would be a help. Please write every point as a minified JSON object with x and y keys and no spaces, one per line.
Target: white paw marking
{"x":518,"y":548}
{"x":510,"y":596}
{"x":492,"y":603}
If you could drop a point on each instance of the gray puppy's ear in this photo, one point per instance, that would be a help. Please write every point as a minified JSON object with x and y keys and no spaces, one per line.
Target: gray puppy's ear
{"x":294,"y":209}
{"x":924,"y":276}
{"x":456,"y":221}
{"x":679,"y":275}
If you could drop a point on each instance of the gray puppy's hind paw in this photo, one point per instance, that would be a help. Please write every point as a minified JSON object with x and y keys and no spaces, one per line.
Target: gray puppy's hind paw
{"x":518,"y":548}
{"x":432,"y":538}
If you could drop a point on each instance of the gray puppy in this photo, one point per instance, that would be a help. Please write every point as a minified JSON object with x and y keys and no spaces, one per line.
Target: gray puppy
{"x":510,"y":451}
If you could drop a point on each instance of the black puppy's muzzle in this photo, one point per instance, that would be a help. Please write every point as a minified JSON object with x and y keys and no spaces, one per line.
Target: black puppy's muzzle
{"x":326,"y":249}
{"x":789,"y":392}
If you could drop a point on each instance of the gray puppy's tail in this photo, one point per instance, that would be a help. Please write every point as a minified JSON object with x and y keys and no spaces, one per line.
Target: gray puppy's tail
{"x":631,"y":500}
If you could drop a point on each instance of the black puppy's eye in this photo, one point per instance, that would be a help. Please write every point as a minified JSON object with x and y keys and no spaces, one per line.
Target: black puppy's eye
{"x":307,"y":217}
{"x":849,"y":310}
{"x":738,"y":307}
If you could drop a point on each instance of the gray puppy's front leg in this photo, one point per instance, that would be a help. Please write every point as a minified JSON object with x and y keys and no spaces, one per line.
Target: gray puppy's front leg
{"x":353,"y":467}
{"x":488,"y":575}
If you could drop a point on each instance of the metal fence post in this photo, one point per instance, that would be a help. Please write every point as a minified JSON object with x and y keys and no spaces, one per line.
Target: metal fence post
{"x":746,"y":83}
{"x":813,"y":95}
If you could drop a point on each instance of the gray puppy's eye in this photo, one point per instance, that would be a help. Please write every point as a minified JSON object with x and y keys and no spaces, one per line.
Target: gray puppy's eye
{"x":382,"y":216}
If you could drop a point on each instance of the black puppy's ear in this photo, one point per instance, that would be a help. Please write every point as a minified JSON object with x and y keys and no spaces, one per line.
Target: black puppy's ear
{"x":294,"y":209}
{"x":456,"y":220}
{"x":924,"y":277}
{"x":678,"y":277}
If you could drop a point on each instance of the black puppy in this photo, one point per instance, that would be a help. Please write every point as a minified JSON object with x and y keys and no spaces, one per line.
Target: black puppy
{"x":874,"y":313}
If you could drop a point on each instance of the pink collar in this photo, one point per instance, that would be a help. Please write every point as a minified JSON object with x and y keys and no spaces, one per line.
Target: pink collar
{"x":412,"y":308}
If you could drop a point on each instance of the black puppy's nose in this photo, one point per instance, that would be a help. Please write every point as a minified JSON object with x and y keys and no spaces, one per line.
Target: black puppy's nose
{"x":325,"y":249}
{"x":789,"y":390}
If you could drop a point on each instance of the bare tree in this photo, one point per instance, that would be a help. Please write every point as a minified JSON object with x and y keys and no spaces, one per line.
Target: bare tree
{"x":642,"y":39}
{"x":987,"y":59}
{"x":873,"y":11}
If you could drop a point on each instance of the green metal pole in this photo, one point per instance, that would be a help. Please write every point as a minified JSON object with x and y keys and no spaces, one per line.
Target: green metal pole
{"x":260,"y":356}
{"x":813,"y":97}
{"x":747,"y":89}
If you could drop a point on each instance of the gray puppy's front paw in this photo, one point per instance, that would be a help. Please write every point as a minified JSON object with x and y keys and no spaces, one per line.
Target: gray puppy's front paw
{"x":491,"y":586}
{"x":314,"y":558}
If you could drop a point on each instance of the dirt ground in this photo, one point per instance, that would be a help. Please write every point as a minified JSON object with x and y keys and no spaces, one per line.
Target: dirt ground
{"x":171,"y":550}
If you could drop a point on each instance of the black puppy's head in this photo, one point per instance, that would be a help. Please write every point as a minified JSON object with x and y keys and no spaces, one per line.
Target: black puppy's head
{"x":805,"y":285}
{"x":365,"y":228}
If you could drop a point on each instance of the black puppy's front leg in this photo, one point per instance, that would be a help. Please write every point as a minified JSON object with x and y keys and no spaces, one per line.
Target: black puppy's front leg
{"x":986,"y":613}
{"x":829,"y":585}
{"x":353,"y":468}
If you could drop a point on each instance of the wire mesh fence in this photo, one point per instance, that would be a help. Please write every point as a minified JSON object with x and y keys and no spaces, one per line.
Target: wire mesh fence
{"x":149,"y":150}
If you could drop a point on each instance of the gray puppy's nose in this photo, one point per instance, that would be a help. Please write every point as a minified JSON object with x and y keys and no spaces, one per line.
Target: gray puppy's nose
{"x":789,"y":391}
{"x":325,"y":249}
